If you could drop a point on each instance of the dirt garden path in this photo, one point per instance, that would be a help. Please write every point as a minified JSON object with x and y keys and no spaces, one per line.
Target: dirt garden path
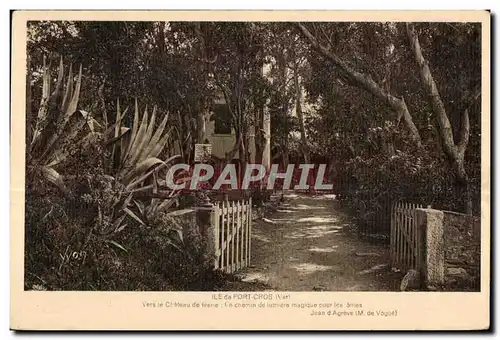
{"x":308,"y":245}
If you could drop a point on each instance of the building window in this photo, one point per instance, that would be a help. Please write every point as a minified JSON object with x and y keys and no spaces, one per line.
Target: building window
{"x":222,"y":119}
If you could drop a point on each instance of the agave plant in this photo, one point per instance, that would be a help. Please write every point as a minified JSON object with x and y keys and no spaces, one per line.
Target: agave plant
{"x":136,"y":165}
{"x":136,"y":154}
{"x":58,"y":124}
{"x":135,"y":151}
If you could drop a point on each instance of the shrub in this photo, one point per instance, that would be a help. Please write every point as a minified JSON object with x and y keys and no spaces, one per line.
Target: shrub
{"x":375,"y":182}
{"x":92,"y":219}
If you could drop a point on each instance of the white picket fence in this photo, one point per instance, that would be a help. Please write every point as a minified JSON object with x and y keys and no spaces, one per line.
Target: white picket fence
{"x":232,"y":221}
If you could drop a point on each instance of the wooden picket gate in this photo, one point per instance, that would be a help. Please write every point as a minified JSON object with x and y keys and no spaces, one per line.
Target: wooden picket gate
{"x":232,"y":221}
{"x":406,"y":246}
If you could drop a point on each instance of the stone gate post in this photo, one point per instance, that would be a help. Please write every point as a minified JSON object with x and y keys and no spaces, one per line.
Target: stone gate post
{"x":431,"y":241}
{"x":206,"y":224}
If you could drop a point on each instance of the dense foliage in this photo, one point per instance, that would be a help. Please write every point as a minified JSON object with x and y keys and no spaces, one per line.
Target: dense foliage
{"x":374,"y":159}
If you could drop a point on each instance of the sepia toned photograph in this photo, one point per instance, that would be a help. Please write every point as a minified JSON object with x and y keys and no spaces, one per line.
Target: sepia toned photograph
{"x":244,"y":158}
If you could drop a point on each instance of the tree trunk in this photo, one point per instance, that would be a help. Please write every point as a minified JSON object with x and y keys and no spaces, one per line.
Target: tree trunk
{"x":242,"y":155}
{"x":462,"y":185}
{"x":187,"y":140}
{"x":203,"y":115}
{"x":259,"y":133}
{"x":243,"y":150}
{"x":300,"y":115}
{"x":284,"y":109}
{"x":366,"y":83}
{"x":29,"y":128}
{"x":285,"y":157}
{"x":248,"y":153}
{"x":230,"y":155}
{"x":201,"y":125}
{"x":266,"y":152}
{"x":455,"y":152}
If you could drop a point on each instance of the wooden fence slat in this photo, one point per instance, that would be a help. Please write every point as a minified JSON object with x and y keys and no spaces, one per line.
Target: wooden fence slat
{"x":418,"y":251}
{"x":221,"y":264}
{"x":419,"y":242}
{"x":403,"y":227}
{"x":392,"y":235}
{"x":409,"y":237}
{"x":229,"y":238}
{"x":249,"y":230}
{"x":237,"y":250}
{"x":404,"y":233}
{"x":239,"y":236}
{"x":415,"y":236}
{"x":233,"y":262}
{"x":223,"y":238}
{"x":400,"y":236}
{"x":407,"y":232}
{"x":215,"y":221}
{"x":247,"y":240}
{"x":412,"y":237}
{"x":242,"y":231}
{"x":247,"y":225}
{"x":406,"y":244}
{"x":396,"y":234}
{"x":245,"y":231}
{"x":227,"y":241}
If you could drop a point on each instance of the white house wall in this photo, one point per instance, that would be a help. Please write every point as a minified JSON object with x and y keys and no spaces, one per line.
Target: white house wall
{"x":222,"y":143}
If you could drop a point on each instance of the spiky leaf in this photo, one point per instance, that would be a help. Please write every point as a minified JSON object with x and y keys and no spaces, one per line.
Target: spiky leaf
{"x":134,"y":216}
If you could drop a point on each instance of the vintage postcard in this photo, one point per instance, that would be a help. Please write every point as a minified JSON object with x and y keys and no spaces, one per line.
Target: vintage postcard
{"x":261,"y":170}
